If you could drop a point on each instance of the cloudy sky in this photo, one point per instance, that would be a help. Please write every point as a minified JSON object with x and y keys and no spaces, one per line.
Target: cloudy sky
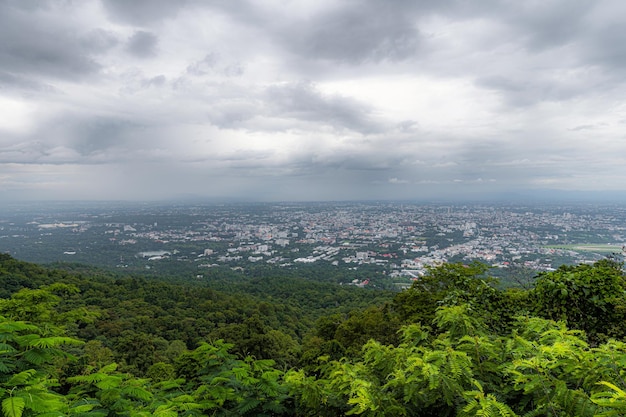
{"x":310,"y":99}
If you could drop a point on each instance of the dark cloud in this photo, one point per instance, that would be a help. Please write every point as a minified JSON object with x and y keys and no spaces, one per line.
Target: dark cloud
{"x":99,"y":134}
{"x":142,"y":11}
{"x":49,"y":48}
{"x":356,"y":161}
{"x":236,"y":114}
{"x":530,"y":91}
{"x":53,"y":47}
{"x":37,"y":152}
{"x":86,"y":139}
{"x":20,"y":84}
{"x":143,"y":44}
{"x":355,"y":34}
{"x":606,"y":47}
{"x":302,"y":101}
{"x":273,"y":98}
{"x":99,"y":40}
{"x":293,"y":106}
{"x":548,"y":24}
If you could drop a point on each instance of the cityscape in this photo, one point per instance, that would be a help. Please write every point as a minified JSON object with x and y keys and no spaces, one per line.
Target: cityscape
{"x":392,"y":242}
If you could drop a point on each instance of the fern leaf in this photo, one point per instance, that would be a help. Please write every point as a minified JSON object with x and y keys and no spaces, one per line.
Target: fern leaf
{"x":6,"y":348}
{"x":21,"y":378}
{"x":164,"y":411}
{"x":89,"y":379}
{"x":36,"y":356}
{"x":137,"y":393}
{"x":84,"y":406}
{"x":188,"y":406}
{"x":169,"y":384}
{"x":50,"y":342}
{"x":109,"y":368}
{"x":110,"y":382}
{"x":13,"y":406}
{"x":41,"y":401}
{"x":5,"y":367}
{"x":247,"y":405}
{"x":614,"y":387}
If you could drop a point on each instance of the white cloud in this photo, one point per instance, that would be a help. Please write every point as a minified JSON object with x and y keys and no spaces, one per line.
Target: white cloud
{"x":395,"y":180}
{"x":17,"y":116}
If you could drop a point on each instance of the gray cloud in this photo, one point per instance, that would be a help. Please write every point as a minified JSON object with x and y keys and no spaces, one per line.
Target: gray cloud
{"x":19,"y":83}
{"x":290,"y":106}
{"x":211,"y":64}
{"x":605,"y":46}
{"x":302,"y":101}
{"x":40,"y":41}
{"x":98,"y":134}
{"x":142,"y":44}
{"x":546,"y":25}
{"x":203,"y":66}
{"x":353,"y":99}
{"x":527,"y":92}
{"x":99,"y":40}
{"x":355,"y":34}
{"x":142,"y":11}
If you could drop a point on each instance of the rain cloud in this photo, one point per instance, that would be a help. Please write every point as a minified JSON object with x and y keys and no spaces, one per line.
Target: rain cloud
{"x":310,"y":100}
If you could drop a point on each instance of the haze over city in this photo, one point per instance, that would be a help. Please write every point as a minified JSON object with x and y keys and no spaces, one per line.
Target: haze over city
{"x":311,"y":100}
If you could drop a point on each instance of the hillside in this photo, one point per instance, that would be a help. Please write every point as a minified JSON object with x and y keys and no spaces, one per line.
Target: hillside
{"x":84,"y":342}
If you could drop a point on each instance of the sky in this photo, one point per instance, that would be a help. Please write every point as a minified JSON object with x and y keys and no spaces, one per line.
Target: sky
{"x":285,"y":100}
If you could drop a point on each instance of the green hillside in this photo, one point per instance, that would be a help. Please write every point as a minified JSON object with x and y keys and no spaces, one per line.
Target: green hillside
{"x":84,"y":342}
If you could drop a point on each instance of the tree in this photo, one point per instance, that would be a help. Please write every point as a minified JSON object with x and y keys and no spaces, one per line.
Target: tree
{"x":587,"y":297}
{"x":224,"y":385}
{"x":29,"y":369}
{"x":454,"y":284}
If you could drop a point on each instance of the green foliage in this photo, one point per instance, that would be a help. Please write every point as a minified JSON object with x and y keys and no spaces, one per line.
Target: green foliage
{"x":541,"y":368}
{"x":222,"y":384}
{"x":415,"y":378}
{"x":550,"y":364}
{"x":28,"y":375}
{"x":110,"y":392}
{"x":450,"y":285}
{"x":13,"y":406}
{"x":456,"y":321}
{"x":483,"y":405}
{"x":588,"y":297}
{"x":467,"y":350}
{"x":137,"y":317}
{"x":613,"y":400}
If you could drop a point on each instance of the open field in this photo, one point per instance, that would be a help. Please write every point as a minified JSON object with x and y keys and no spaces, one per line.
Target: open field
{"x":594,"y":247}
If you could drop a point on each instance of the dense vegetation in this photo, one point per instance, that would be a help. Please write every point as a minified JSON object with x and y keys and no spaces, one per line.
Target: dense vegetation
{"x":85,"y":343}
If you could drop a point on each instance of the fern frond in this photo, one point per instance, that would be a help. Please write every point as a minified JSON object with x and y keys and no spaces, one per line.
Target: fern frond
{"x":247,"y":405}
{"x":21,"y":378}
{"x":36,"y":356}
{"x":13,"y":406}
{"x":50,"y":342}
{"x":137,"y":393}
{"x":164,"y":411}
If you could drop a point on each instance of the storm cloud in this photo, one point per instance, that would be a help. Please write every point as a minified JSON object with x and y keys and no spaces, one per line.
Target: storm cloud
{"x":310,"y":100}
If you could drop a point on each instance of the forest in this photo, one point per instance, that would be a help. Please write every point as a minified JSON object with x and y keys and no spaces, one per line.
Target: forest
{"x":78,"y":341}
